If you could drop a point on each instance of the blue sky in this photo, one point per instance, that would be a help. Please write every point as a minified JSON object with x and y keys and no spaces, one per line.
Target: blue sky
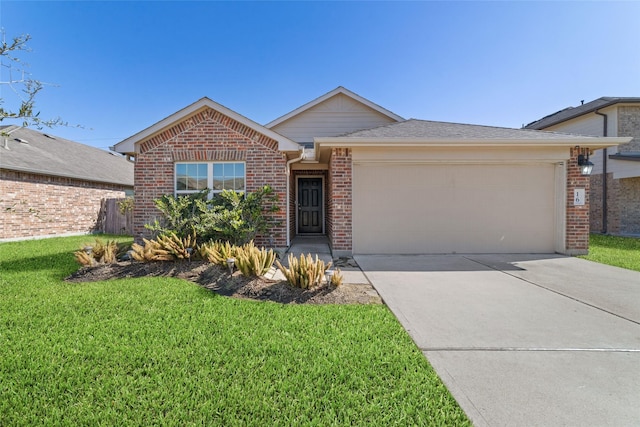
{"x":119,"y":67}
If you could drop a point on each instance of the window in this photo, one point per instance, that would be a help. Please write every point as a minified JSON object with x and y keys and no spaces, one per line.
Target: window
{"x":194,"y":177}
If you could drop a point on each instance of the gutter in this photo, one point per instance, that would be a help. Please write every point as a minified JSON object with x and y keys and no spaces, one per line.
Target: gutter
{"x":605,"y":205}
{"x":288,"y":171}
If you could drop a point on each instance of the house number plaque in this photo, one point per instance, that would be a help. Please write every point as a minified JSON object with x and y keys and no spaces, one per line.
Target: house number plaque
{"x":578,"y":197}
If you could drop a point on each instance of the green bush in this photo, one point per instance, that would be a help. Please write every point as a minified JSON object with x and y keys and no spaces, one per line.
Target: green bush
{"x":234,"y":217}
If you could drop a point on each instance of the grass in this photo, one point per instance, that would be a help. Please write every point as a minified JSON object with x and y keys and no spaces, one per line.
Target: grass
{"x":163,"y":351}
{"x":612,"y":250}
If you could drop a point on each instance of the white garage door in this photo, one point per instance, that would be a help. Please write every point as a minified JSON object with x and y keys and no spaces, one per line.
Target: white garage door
{"x":453,"y":208}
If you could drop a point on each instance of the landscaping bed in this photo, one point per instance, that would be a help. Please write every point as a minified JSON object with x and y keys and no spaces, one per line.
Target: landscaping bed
{"x":218,"y":279}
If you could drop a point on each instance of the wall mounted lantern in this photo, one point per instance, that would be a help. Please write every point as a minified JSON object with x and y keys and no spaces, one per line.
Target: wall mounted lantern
{"x":585,"y":165}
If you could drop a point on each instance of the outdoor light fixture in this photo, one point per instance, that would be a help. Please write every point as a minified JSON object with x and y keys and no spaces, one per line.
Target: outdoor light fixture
{"x":585,"y":165}
{"x":328,"y":275}
{"x":231,"y":262}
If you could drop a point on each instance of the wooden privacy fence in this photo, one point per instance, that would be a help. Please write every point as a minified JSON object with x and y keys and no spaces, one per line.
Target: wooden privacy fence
{"x":112,"y":221}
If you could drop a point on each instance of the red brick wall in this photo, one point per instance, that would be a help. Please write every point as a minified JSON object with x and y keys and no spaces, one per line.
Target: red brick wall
{"x":339,"y":209}
{"x":577,"y":233}
{"x":35,"y":205}
{"x":208,"y":136}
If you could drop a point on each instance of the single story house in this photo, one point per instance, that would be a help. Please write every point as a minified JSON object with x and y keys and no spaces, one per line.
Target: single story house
{"x":615,"y":181}
{"x":50,"y":186}
{"x":373,"y":182}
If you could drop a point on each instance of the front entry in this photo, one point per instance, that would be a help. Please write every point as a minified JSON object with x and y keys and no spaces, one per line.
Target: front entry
{"x":310,"y":218}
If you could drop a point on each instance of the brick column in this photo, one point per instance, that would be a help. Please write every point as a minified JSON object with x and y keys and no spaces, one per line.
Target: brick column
{"x":577,"y":233}
{"x":339,"y":219}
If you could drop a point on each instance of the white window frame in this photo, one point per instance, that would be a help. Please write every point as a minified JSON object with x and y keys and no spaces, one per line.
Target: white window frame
{"x":210,"y":165}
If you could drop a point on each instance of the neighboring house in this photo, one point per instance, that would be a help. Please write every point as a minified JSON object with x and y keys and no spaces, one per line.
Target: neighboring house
{"x":374,"y":182}
{"x":50,"y":186}
{"x":615,"y":181}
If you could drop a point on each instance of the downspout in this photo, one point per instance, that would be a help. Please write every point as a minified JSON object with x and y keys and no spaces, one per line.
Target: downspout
{"x":605,"y":205}
{"x":288,"y":171}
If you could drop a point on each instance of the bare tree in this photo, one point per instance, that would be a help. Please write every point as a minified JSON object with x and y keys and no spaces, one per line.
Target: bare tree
{"x":15,"y":77}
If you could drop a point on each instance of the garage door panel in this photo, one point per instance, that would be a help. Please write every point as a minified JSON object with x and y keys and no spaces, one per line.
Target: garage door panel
{"x":446,"y":208}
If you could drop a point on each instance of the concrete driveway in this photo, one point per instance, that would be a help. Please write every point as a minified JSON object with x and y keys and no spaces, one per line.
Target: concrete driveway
{"x":533,"y":340}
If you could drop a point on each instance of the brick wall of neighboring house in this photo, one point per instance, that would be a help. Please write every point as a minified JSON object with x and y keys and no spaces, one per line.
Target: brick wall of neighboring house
{"x":629,"y":193}
{"x":339,"y":209}
{"x":629,"y":125}
{"x":293,"y":196}
{"x":207,"y":137}
{"x":34,"y":205}
{"x":577,"y":233}
{"x":596,"y":205}
{"x":623,"y":194}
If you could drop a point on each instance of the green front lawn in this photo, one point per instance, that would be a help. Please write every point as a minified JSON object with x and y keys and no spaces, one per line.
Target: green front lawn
{"x":618,"y":251}
{"x":159,"y":351}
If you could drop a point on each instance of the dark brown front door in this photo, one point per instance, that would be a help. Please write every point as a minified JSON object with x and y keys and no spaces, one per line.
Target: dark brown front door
{"x":310,"y":205}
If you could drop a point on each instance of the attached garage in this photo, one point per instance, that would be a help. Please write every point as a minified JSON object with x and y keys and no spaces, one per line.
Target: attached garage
{"x":402,"y":208}
{"x":422,"y":187}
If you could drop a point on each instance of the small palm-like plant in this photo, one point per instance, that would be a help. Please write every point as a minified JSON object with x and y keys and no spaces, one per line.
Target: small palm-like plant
{"x":252,"y":261}
{"x":151,"y":250}
{"x":304,"y":272}
{"x":100,"y":253}
{"x":217,"y":252}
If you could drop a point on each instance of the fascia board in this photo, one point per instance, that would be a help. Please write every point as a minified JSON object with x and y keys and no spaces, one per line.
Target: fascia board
{"x":586,"y":142}
{"x":593,"y":143}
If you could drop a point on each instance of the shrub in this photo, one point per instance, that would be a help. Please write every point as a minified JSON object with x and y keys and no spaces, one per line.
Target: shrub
{"x":230,"y":216}
{"x":151,"y":251}
{"x":336,"y":279}
{"x":252,"y":261}
{"x":305,"y":272}
{"x":100,"y":253}
{"x":167,"y":247}
{"x":217,"y":252}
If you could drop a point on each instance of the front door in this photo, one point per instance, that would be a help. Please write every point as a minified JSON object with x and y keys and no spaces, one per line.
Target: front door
{"x":310,"y":205}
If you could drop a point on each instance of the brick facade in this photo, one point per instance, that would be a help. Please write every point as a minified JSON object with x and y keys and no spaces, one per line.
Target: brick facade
{"x":623,"y":194}
{"x":623,"y":205}
{"x":629,"y":125}
{"x":34,"y":205}
{"x":577,"y":232}
{"x":339,"y":208}
{"x":206,"y":137}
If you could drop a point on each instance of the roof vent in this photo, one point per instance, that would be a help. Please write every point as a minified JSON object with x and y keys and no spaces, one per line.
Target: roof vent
{"x":20,"y":140}
{"x":48,"y":136}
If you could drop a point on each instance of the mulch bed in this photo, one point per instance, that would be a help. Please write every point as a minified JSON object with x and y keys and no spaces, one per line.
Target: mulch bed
{"x":218,"y":279}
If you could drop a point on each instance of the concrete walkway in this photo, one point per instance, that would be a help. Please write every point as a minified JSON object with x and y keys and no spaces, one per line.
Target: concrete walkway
{"x":538,"y":340}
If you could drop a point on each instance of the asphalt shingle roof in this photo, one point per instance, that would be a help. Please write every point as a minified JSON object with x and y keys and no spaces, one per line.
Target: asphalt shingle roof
{"x":51,"y":155}
{"x":571,"y":112}
{"x":414,"y":128}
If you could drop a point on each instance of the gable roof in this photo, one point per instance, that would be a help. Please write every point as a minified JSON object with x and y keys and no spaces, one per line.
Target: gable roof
{"x":336,"y":91}
{"x":128,"y":145}
{"x":27,"y":150}
{"x":573,"y":112}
